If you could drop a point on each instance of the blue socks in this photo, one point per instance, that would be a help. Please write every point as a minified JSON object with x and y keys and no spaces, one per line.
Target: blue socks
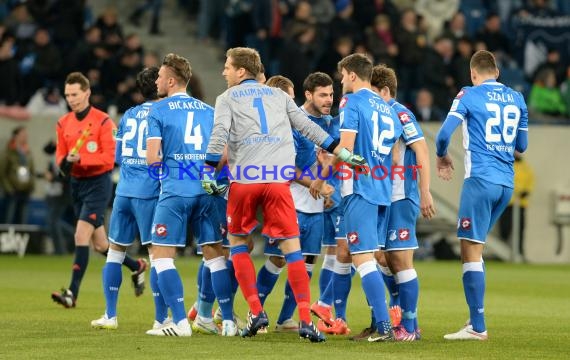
{"x":78,"y":270}
{"x":289,"y":302}
{"x":160,"y":307}
{"x":391,"y":285}
{"x":221,"y":285}
{"x":373,"y":286}
{"x":112,"y":279}
{"x":341,"y":284}
{"x":207,"y":295}
{"x":409,"y":291}
{"x":171,"y":288}
{"x":326,"y":273}
{"x":266,"y":279}
{"x":474,"y":288}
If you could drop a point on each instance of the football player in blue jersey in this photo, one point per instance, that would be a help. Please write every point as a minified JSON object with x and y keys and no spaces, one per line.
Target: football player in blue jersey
{"x":494,"y":119}
{"x":179,"y":129}
{"x":409,"y":197}
{"x":371,"y":127}
{"x":135,"y":199}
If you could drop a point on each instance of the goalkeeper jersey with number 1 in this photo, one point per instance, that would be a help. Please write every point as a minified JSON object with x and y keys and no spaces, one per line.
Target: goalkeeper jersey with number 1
{"x":256,"y":122}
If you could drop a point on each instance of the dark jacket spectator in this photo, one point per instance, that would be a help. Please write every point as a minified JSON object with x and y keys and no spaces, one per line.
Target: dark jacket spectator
{"x":424,"y":109}
{"x":437,"y":72}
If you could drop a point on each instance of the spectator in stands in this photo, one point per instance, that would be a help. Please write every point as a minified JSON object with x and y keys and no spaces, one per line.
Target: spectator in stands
{"x":342,"y":25}
{"x":538,"y":8}
{"x":17,"y":176}
{"x":21,"y":24}
{"x":89,"y":52}
{"x":9,"y":91}
{"x":366,"y":11}
{"x":436,"y":13}
{"x":424,"y":109}
{"x":545,"y":98}
{"x":47,"y":101}
{"x":412,"y":43}
{"x":460,"y":64}
{"x":565,"y":91}
{"x":455,"y":28}
{"x":553,"y":62}
{"x":209,"y":17}
{"x":40,"y":66}
{"x":111,"y":30}
{"x":322,"y":10}
{"x":381,"y":41}
{"x":151,"y":58}
{"x":495,"y":40}
{"x":302,"y":48}
{"x":437,"y":72}
{"x":136,"y":15}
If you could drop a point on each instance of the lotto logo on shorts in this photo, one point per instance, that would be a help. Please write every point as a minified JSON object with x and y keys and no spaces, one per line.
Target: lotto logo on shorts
{"x":465,"y":223}
{"x":352,"y":237}
{"x":160,"y":230}
{"x":403,"y":234}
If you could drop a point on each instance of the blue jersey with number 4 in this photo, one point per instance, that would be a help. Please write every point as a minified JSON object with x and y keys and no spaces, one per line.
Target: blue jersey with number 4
{"x":377,"y":128}
{"x":494,"y":118}
{"x":184,"y":125}
{"x":130,"y":154}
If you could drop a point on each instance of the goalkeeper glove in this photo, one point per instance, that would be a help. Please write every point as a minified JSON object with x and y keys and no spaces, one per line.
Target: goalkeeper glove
{"x":352,"y":159}
{"x":211,"y":187}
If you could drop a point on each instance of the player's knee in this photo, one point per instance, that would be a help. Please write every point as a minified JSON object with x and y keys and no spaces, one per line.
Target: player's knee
{"x":211,"y":251}
{"x":278,"y":261}
{"x":310,"y":259}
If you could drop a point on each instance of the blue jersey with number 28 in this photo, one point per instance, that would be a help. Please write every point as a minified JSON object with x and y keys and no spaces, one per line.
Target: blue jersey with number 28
{"x":492,"y":116}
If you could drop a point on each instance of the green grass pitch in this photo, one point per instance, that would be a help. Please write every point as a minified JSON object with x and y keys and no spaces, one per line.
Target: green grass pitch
{"x":527,"y":309}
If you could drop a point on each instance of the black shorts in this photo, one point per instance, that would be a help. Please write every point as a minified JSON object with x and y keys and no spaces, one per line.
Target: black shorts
{"x":91,"y":196}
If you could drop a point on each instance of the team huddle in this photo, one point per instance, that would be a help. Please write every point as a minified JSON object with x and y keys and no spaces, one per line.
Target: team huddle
{"x":363,"y":221}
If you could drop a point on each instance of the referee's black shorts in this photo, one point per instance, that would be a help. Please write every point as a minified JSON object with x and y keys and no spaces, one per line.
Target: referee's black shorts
{"x":91,"y":196}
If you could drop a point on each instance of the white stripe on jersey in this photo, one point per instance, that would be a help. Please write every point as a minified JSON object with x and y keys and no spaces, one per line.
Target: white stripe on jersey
{"x":457,"y":115}
{"x":467,"y":160}
{"x":398,"y":185}
{"x":347,"y":186}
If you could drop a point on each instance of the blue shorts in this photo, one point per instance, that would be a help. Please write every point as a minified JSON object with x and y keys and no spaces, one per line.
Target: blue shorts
{"x":91,"y":196}
{"x":365,"y":224}
{"x":332,"y":226}
{"x":402,"y":226}
{"x":221,"y":205}
{"x":480,"y":206}
{"x":131,"y":216}
{"x":172,"y":215}
{"x":311,"y":227}
{"x":272,"y":247}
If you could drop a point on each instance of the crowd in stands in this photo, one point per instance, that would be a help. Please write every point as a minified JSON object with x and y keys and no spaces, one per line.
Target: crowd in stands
{"x":428,"y":42}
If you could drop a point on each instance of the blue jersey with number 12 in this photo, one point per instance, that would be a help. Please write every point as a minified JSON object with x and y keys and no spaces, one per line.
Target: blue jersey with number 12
{"x":377,"y":128}
{"x":184,"y":125}
{"x":491,"y":115}
{"x":131,"y":155}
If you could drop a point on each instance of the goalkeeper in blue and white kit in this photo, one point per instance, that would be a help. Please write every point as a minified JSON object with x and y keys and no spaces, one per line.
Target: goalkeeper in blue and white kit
{"x":494,"y":119}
